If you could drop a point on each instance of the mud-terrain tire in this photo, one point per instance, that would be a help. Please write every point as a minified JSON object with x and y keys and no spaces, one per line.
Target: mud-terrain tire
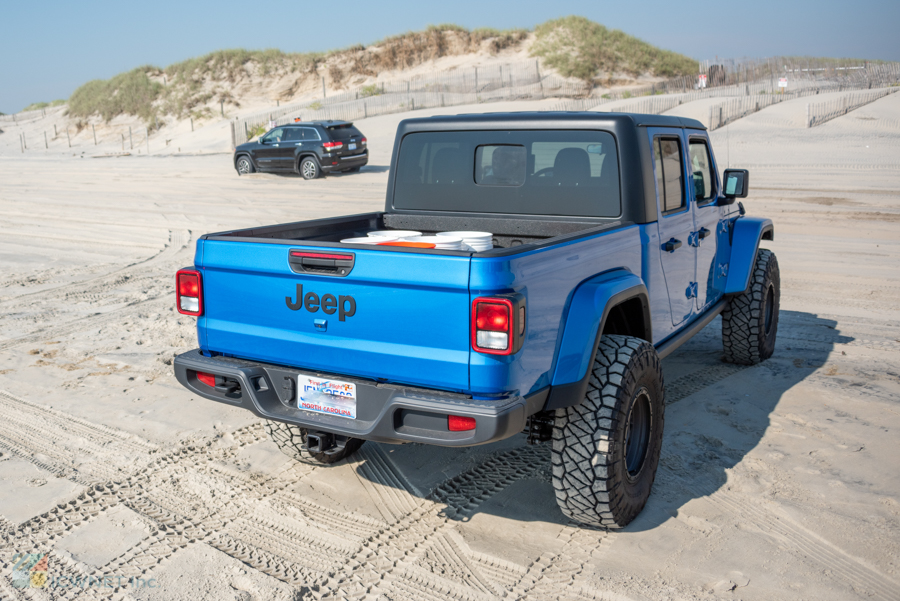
{"x":309,"y":168}
{"x":750,"y":320}
{"x":606,"y":449}
{"x":244,"y":165}
{"x":292,"y":440}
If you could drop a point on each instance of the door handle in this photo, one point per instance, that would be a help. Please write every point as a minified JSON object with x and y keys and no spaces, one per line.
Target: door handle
{"x":671,"y":245}
{"x":703,"y":233}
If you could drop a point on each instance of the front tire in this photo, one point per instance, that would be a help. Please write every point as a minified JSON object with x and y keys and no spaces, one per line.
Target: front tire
{"x":750,"y":320}
{"x":291,"y":440}
{"x":309,"y":168}
{"x":606,"y":449}
{"x":245,"y":166}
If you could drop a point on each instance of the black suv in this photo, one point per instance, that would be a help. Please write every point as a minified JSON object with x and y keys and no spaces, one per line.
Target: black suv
{"x":308,"y":148}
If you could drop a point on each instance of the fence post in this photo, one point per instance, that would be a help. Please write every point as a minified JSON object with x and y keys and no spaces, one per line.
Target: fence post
{"x":222,"y":106}
{"x":192,"y":124}
{"x":123,"y":142}
{"x":130,"y":138}
{"x":55,"y":133}
{"x":147,"y":130}
{"x":95,"y":134}
{"x":476,"y":82}
{"x":68,"y":139}
{"x":324,"y":95}
{"x":45,"y":141}
{"x":22,"y":142}
{"x":233,"y":145}
{"x":808,"y":124}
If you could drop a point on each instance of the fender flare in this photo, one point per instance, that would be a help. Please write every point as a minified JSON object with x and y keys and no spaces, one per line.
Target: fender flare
{"x":746,"y":235}
{"x":590,"y":305}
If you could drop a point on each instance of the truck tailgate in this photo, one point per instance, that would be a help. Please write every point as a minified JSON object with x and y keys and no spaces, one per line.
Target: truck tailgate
{"x":403,"y":316}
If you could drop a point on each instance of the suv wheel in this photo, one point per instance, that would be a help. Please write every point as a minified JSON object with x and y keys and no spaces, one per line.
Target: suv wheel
{"x":309,"y":168}
{"x":292,"y":442}
{"x":245,"y":166}
{"x":750,"y":320}
{"x":606,"y":449}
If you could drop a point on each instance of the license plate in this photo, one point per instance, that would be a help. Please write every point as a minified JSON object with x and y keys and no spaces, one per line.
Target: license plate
{"x":351,"y":146}
{"x":322,"y":395}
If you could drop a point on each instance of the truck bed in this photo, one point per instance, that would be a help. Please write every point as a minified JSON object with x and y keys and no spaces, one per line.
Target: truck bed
{"x":518,"y":234}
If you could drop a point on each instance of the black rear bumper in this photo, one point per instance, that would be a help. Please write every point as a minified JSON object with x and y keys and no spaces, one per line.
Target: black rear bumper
{"x":385,"y":412}
{"x":345,"y":162}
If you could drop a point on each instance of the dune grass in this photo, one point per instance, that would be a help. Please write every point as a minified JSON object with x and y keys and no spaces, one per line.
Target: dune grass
{"x":36,"y":106}
{"x":578,"y":47}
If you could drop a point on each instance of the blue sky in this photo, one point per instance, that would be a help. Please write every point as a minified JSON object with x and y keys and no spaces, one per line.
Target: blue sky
{"x":50,"y":48}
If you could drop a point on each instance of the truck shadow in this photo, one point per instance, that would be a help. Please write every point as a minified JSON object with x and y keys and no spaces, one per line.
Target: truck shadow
{"x":716,"y":413}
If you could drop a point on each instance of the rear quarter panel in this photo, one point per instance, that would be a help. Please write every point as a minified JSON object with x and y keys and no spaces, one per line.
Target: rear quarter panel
{"x":547,"y":278}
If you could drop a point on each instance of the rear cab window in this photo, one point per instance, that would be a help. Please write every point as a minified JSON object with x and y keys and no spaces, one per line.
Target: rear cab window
{"x":566,"y":173}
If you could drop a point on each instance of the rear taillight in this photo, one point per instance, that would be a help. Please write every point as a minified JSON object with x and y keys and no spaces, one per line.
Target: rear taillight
{"x":363,"y":141}
{"x":498,"y":324}
{"x":458,"y":423}
{"x":189,"y":292}
{"x":208,"y":379}
{"x":333,"y":145}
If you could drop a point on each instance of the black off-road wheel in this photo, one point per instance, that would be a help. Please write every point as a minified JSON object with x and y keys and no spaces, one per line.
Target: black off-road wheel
{"x":606,"y":449}
{"x":245,"y":165}
{"x":750,"y":320}
{"x":309,"y":168}
{"x":292,"y":442}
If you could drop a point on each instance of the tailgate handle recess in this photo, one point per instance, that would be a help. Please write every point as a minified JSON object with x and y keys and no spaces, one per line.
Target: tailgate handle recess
{"x":321,"y":263}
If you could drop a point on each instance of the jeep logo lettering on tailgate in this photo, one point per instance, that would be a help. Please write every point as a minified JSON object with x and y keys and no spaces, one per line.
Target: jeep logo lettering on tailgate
{"x":344,"y":305}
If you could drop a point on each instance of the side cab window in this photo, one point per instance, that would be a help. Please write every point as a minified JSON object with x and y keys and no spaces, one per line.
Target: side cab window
{"x":669,"y":168}
{"x":702,"y":173}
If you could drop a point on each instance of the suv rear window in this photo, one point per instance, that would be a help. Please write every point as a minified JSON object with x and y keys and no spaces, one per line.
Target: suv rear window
{"x":343,"y":132}
{"x":569,"y":173}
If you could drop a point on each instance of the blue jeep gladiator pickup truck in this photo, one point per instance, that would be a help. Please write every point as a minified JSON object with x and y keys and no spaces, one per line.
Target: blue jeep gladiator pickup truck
{"x":614,"y":242}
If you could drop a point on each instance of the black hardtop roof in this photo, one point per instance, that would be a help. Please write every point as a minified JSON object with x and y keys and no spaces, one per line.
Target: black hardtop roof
{"x":546,"y":120}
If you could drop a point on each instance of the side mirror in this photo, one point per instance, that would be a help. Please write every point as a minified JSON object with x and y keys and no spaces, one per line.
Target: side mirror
{"x":737,"y":183}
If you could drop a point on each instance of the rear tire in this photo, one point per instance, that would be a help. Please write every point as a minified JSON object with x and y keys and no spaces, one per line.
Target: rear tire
{"x":606,"y":449}
{"x":309,"y":168}
{"x":244,"y":166}
{"x":292,"y":442}
{"x":750,"y":320}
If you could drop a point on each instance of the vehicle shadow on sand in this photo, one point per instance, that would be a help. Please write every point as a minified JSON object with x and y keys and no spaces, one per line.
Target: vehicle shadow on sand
{"x":365,"y":169}
{"x":716,"y":413}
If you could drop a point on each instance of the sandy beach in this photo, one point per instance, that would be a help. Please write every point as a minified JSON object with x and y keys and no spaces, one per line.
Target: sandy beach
{"x":777,"y":481}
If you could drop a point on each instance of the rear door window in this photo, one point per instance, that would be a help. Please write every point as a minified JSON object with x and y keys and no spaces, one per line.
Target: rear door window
{"x":309,"y":133}
{"x":668,"y":167}
{"x":701,"y":171}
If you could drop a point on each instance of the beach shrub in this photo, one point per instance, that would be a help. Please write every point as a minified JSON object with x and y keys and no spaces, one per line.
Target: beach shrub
{"x":579,"y":47}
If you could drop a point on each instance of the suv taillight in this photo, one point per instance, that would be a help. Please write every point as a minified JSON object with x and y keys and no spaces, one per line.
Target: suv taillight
{"x":332,"y":145}
{"x":498,"y":324}
{"x":189,"y":292}
{"x":363,"y":141}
